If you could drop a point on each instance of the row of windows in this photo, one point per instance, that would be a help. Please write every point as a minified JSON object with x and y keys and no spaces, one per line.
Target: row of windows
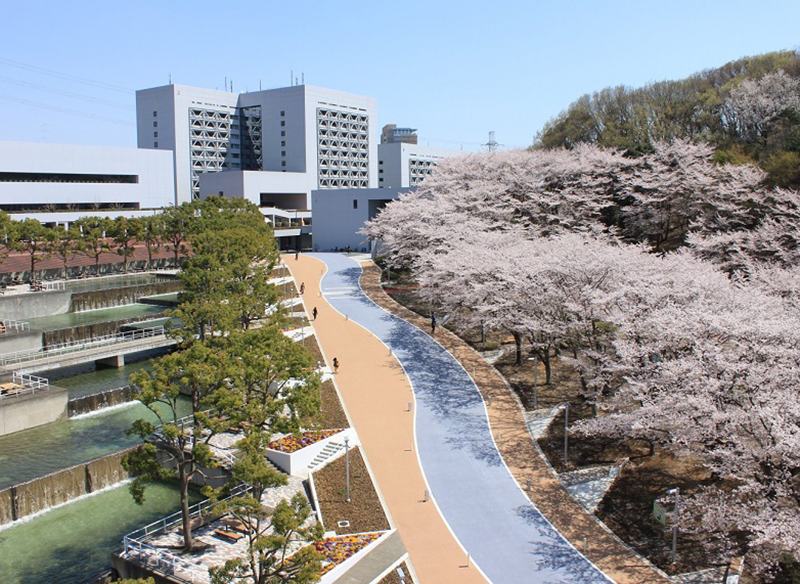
{"x":54,"y":177}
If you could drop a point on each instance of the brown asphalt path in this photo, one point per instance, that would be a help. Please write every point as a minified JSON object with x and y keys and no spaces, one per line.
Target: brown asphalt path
{"x":376,"y":394}
{"x":522,"y":457}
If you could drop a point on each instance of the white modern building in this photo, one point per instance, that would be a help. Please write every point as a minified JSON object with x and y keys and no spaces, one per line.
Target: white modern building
{"x":58,"y":183}
{"x":328,"y":139}
{"x":339,"y":216}
{"x":402,"y":164}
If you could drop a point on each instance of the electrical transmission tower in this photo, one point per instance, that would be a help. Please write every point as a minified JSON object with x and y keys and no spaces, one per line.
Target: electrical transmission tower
{"x":492,"y":144}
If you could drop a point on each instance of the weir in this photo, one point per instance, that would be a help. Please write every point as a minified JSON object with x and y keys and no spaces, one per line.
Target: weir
{"x":61,"y":487}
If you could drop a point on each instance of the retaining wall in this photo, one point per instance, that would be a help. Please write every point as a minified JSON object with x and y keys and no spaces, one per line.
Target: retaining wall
{"x":31,"y":410}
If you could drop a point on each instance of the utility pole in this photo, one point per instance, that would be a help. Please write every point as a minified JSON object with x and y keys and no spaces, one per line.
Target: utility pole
{"x":492,"y":145}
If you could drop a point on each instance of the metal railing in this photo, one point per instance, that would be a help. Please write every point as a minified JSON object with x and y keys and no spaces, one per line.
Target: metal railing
{"x":83,"y":345}
{"x":29,"y":384}
{"x":163,"y":561}
{"x":172,"y":521}
{"x":8,"y":324}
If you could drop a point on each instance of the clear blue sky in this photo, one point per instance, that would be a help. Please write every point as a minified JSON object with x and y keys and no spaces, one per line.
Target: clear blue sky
{"x":453,"y":69}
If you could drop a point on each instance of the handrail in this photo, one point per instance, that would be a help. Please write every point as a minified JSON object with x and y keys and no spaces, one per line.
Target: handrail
{"x":165,"y":523}
{"x":17,"y":325}
{"x":83,"y":345}
{"x":29,"y":383}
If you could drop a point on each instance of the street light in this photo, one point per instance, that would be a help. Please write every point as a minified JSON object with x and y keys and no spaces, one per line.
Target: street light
{"x":565,"y":407}
{"x":676,"y":514}
{"x":347,"y":464}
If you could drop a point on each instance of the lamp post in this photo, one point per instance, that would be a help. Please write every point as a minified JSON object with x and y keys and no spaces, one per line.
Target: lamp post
{"x":676,"y":514}
{"x":347,"y":464}
{"x":565,"y":407}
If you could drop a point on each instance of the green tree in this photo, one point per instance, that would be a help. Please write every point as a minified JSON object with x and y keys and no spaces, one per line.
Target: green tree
{"x":35,"y":240}
{"x":269,"y":541}
{"x":176,"y":447}
{"x":67,"y":245}
{"x":151,"y":236}
{"x":8,"y":234}
{"x":176,"y":228}
{"x":94,"y":231}
{"x":125,"y":233}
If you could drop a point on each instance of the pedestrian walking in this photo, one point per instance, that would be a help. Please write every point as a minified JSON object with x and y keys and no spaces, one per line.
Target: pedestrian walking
{"x":335,"y":365}
{"x":433,"y":323}
{"x":296,"y":255}
{"x":314,"y":313}
{"x":302,"y":287}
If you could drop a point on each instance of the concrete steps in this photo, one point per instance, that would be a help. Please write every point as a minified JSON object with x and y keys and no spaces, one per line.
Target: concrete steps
{"x":332,"y":451}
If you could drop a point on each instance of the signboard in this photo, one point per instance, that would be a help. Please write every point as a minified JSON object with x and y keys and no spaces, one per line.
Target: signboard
{"x":659,"y":513}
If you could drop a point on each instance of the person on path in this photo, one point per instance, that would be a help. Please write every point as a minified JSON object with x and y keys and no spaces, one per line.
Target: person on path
{"x":296,"y":255}
{"x":335,"y":365}
{"x":433,"y":323}
{"x":314,"y":313}
{"x":302,"y":287}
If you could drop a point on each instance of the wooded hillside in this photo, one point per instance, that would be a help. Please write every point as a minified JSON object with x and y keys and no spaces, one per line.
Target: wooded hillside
{"x":748,"y":110}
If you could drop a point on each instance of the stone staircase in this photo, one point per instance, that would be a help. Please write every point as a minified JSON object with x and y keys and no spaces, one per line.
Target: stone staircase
{"x":332,"y":451}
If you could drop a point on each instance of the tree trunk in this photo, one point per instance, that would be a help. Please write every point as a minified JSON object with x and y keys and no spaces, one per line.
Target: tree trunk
{"x":518,"y":343}
{"x":149,"y":259}
{"x":33,"y":266}
{"x":97,"y":265}
{"x":187,"y":520}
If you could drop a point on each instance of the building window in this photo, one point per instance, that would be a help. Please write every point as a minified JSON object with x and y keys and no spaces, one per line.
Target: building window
{"x":355,"y":203}
{"x":283,"y":132}
{"x":381,"y":171}
{"x":283,"y":113}
{"x":283,"y":152}
{"x":155,"y":144}
{"x":155,"y":124}
{"x":155,"y":134}
{"x":283,"y":122}
{"x":155,"y":114}
{"x":283,"y":163}
{"x":283,"y":142}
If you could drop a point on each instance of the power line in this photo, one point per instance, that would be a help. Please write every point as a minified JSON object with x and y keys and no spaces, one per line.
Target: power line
{"x":67,"y":110}
{"x":66,"y":76}
{"x":67,"y":93}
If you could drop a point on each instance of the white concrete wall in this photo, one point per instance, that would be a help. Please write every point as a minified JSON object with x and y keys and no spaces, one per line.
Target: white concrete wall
{"x":250,"y":184}
{"x":154,"y":171}
{"x":336,"y":220}
{"x":394,"y":159}
{"x":172,"y":104}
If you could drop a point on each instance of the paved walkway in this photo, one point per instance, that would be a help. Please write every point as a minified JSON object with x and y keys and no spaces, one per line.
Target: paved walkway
{"x":505,"y":535}
{"x":376,"y":395}
{"x":524,"y":460}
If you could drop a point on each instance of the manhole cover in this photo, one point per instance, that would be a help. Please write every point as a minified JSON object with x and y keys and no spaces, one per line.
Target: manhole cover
{"x":344,"y":523}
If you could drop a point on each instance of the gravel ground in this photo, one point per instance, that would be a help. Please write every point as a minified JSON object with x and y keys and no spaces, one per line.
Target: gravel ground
{"x":364,"y":511}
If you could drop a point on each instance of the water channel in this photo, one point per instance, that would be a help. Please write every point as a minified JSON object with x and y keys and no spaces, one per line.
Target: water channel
{"x":45,"y":449}
{"x":70,"y":544}
{"x":73,"y":319}
{"x":88,"y":379}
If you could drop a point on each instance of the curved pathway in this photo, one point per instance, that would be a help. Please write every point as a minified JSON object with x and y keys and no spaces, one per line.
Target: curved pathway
{"x":376,"y":394}
{"x":505,"y":535}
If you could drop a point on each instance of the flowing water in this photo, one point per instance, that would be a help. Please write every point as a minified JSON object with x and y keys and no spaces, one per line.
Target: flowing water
{"x":109,"y":282}
{"x":88,"y":379}
{"x":89,"y":317}
{"x":45,"y":449}
{"x":71,"y":543}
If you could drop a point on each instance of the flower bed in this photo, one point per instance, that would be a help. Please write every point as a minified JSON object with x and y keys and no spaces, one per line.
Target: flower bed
{"x":335,"y":550}
{"x":294,"y":442}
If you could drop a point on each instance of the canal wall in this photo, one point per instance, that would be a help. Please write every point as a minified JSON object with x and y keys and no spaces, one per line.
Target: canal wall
{"x":12,"y":341}
{"x":61,"y":487}
{"x":25,"y":306}
{"x":89,"y":331}
{"x":109,"y":298}
{"x":98,"y":401}
{"x":33,"y":409}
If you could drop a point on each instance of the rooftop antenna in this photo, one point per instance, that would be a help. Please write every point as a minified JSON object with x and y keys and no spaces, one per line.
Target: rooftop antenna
{"x":226,"y":84}
{"x":291,"y":77}
{"x":303,"y":78}
{"x":231,"y":85}
{"x":259,"y":84}
{"x":170,"y":78}
{"x":492,"y":144}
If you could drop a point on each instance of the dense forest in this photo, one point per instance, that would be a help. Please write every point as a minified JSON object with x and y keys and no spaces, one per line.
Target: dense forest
{"x":747,"y":110}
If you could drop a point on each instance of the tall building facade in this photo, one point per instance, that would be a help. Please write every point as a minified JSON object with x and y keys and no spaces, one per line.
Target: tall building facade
{"x":330,"y":137}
